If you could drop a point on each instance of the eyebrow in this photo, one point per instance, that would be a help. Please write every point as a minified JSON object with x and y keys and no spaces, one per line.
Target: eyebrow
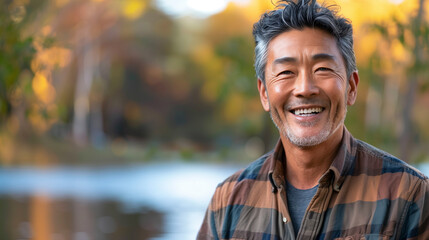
{"x":323,"y":56}
{"x":319,"y":56}
{"x":285,"y":60}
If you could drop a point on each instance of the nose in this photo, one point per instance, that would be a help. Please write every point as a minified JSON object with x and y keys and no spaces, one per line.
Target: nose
{"x":305,"y":86}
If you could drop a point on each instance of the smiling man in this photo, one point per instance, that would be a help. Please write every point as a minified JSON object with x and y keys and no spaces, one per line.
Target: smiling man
{"x":319,"y":182}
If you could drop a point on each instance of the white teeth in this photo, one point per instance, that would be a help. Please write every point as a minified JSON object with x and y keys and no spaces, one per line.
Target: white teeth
{"x":307,"y":111}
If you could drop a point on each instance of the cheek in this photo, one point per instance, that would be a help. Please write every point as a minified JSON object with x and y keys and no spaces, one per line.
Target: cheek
{"x":336,"y":91}
{"x":278,"y":89}
{"x":278,"y":94}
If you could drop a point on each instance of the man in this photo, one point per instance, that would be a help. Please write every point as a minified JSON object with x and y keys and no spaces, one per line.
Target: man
{"x":319,"y":182}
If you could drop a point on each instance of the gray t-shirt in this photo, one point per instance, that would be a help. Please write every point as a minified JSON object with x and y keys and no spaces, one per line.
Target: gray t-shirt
{"x":297,"y":201}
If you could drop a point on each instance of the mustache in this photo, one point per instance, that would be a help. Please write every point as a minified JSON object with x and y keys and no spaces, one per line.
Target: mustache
{"x":305,"y":102}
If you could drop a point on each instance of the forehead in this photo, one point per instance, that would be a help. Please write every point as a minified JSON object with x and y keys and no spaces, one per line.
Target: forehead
{"x":300,"y":43}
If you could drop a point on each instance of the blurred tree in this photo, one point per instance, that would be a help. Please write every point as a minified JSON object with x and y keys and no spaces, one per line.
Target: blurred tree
{"x":115,"y":82}
{"x":405,"y":54}
{"x":419,"y":27}
{"x":16,"y":50}
{"x":224,"y":56}
{"x":124,"y":69}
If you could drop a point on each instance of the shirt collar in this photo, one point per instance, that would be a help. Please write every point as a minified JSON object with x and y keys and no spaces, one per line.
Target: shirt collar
{"x":344,"y":159}
{"x":339,"y":168}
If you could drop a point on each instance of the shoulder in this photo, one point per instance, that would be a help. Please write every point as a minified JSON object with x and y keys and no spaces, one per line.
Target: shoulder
{"x":379,"y":162}
{"x":395,"y":178}
{"x":251,"y":172}
{"x":237,"y":186}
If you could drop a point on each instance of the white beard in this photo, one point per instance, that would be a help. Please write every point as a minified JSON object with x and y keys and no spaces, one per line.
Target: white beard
{"x":310,"y":140}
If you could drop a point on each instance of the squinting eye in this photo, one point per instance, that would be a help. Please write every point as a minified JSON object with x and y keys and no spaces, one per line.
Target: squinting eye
{"x":323,"y":69}
{"x":287,"y":72}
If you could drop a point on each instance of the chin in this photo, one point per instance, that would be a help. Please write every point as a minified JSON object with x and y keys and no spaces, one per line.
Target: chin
{"x":308,"y":140}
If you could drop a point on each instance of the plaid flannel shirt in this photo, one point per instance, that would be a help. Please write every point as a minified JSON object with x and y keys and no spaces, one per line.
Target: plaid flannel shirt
{"x":365,"y":194}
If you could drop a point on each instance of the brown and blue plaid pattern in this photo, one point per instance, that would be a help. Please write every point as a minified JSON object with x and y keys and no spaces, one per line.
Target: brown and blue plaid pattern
{"x":365,"y":194}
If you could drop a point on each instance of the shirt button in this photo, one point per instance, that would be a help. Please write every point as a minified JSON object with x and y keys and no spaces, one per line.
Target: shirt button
{"x":284,"y":219}
{"x":337,"y":187}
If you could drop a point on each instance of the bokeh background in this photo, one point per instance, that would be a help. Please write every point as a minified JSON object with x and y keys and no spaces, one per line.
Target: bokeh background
{"x":119,"y":117}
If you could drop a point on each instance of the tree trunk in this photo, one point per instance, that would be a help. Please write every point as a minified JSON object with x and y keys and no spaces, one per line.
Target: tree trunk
{"x":406,"y":144}
{"x":83,"y":83}
{"x":96,"y":114}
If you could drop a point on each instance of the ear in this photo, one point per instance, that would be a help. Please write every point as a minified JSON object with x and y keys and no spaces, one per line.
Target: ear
{"x":352,"y":90}
{"x":263,"y":94}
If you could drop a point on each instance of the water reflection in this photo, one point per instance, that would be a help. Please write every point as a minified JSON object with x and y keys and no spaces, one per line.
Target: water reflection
{"x":39,"y":217}
{"x":157,"y":201}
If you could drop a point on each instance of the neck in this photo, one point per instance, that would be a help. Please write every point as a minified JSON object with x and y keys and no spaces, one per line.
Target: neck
{"x":306,"y":165}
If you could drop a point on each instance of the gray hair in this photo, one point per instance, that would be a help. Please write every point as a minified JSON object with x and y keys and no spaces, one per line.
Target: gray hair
{"x":298,"y":15}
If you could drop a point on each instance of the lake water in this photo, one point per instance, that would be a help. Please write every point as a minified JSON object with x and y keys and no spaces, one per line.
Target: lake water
{"x":176,"y":194}
{"x":153,"y":201}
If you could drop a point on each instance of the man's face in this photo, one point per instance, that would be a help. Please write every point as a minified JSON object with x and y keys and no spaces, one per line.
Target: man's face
{"x":306,"y":89}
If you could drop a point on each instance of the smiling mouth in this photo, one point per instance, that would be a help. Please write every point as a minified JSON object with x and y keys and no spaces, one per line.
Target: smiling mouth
{"x":307,"y":111}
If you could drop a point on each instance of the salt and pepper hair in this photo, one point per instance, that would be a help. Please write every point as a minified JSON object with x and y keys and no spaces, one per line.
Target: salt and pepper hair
{"x":290,"y":15}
